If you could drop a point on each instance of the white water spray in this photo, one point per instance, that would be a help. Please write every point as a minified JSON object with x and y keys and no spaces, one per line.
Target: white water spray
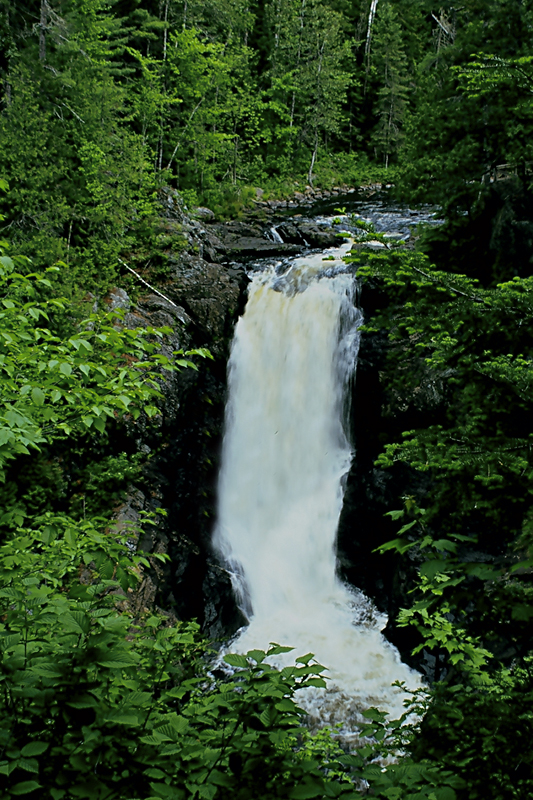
{"x":285,"y":457}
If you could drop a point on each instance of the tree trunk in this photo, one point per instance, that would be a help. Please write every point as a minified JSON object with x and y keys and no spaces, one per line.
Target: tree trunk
{"x":235,"y":146}
{"x":371,"y":15}
{"x":42,"y":30}
{"x":165,"y":34}
{"x":313,"y":159}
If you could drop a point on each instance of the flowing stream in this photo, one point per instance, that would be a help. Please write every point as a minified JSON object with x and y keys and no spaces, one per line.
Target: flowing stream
{"x":285,"y":458}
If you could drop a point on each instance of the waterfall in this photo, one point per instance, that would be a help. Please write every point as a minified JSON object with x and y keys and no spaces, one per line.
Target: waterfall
{"x":275,"y":235}
{"x":285,"y":458}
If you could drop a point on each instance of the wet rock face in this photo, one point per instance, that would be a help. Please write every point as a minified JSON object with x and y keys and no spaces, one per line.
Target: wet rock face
{"x":243,"y":240}
{"x":378,"y":412}
{"x":308,"y":234}
{"x":208,"y":292}
{"x":200,"y":300}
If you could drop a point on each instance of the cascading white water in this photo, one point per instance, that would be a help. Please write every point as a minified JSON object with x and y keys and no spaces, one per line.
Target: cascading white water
{"x":285,"y":457}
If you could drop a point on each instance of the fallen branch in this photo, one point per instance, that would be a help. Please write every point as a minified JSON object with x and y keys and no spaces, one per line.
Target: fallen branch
{"x":150,"y":285}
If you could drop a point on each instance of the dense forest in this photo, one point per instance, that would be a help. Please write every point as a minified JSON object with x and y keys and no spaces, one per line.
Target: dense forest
{"x":109,"y":108}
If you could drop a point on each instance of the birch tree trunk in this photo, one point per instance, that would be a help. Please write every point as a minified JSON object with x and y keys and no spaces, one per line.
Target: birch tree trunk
{"x":42,"y":30}
{"x":371,"y":16}
{"x":313,"y":159}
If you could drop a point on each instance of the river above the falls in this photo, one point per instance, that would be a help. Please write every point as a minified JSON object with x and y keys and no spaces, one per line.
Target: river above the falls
{"x":285,"y":458}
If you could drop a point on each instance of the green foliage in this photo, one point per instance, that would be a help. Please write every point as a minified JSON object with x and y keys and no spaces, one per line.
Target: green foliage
{"x":389,"y":62}
{"x":477,"y":733}
{"x":95,"y":704}
{"x":462,"y":352}
{"x":448,"y":155}
{"x":53,"y":387}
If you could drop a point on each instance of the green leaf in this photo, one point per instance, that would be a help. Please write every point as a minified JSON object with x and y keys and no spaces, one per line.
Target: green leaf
{"x":445,"y":793}
{"x":99,"y":424}
{"x":162,"y":790}
{"x":25,"y":787}
{"x":123,"y":719}
{"x":116,"y":660}
{"x":319,"y":682}
{"x":400,"y":545}
{"x":304,"y":659}
{"x":76,"y":621}
{"x":307,"y":790}
{"x":34,"y":749}
{"x":65,"y":369}
{"x":37,"y":395}
{"x":29,"y":765}
{"x":431,"y":568}
{"x":256,"y":655}
{"x":286,"y":705}
{"x":484,"y":572}
{"x":236,"y":660}
{"x":267,"y":716}
{"x":7,"y":263}
{"x":220,"y":778}
{"x":276,"y":649}
{"x":408,"y":526}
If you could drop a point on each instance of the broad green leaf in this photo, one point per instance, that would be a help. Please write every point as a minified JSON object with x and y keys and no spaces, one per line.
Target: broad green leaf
{"x":307,"y":790}
{"x":162,"y":790}
{"x":7,"y":263}
{"x":38,"y":396}
{"x":256,"y":655}
{"x":76,"y":621}
{"x":445,"y":793}
{"x":304,"y":659}
{"x":29,"y":765}
{"x":431,"y":568}
{"x":236,"y":660}
{"x":116,"y":660}
{"x":276,"y":649}
{"x":319,"y":682}
{"x":25,"y":787}
{"x":99,"y":424}
{"x":34,"y":749}
{"x":395,"y":514}
{"x":267,"y":716}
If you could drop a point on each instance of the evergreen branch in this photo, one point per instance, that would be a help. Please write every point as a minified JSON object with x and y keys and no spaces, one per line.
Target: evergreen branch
{"x":451,"y":288}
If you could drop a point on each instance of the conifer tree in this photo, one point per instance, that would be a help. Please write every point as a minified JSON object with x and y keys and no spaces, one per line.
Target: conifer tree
{"x":390,"y":66}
